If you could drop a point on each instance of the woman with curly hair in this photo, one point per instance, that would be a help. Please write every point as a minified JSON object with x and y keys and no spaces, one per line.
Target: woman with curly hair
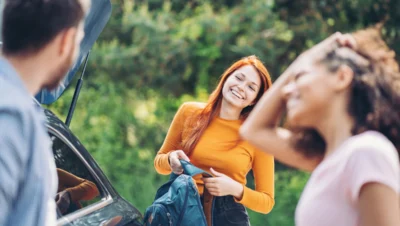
{"x":341,"y":100}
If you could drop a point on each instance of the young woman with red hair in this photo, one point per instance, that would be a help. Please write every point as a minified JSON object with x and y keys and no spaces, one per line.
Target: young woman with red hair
{"x":208,"y":135}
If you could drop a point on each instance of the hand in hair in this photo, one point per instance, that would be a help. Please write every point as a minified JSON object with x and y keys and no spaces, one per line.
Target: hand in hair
{"x":319,"y":51}
{"x":174,"y":162}
{"x":332,"y":42}
{"x":261,"y":128}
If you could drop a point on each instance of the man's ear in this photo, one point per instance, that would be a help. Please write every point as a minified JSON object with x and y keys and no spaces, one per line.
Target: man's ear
{"x":344,"y":77}
{"x":67,"y":42}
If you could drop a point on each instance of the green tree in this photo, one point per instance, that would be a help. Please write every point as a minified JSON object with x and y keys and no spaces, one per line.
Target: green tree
{"x":155,"y":54}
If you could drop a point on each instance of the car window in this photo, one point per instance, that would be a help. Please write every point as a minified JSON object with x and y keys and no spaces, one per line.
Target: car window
{"x":76,"y":186}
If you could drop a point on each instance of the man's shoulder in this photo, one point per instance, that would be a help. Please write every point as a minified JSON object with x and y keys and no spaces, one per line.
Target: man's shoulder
{"x":16,"y":106}
{"x":21,"y":122}
{"x":13,"y":99}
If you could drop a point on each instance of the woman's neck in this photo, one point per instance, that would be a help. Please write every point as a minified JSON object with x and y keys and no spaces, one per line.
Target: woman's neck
{"x":229,"y":112}
{"x":335,"y":129}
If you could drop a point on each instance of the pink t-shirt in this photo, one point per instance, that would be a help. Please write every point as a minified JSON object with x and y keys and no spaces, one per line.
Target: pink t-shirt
{"x":331,"y":194}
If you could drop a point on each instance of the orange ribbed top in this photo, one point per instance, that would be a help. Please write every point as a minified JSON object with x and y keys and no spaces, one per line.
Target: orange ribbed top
{"x":221,"y":148}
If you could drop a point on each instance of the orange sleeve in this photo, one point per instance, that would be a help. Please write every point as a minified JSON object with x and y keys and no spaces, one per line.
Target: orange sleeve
{"x":80,"y":189}
{"x":262,"y":198}
{"x":172,"y":142}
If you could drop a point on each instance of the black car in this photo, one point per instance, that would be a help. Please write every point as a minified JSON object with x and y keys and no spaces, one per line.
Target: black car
{"x":108,"y":207}
{"x":99,"y":203}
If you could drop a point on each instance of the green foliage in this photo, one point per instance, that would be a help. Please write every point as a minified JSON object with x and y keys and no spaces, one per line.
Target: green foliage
{"x":289,"y":184}
{"x":153,"y":55}
{"x":288,"y":187}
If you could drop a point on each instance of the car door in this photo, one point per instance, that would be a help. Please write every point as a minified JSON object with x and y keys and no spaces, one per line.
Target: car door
{"x":93,"y":199}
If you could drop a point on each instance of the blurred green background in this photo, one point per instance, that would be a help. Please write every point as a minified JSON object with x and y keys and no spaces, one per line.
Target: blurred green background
{"x":153,"y":55}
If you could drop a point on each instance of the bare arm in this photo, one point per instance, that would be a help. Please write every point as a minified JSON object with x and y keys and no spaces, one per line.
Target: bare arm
{"x":80,"y":189}
{"x":260,"y":128}
{"x":378,"y":205}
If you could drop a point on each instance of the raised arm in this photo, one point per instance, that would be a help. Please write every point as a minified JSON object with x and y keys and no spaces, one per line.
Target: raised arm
{"x":261,"y":129}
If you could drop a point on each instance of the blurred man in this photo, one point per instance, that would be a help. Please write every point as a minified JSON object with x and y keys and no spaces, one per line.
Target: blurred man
{"x":41,"y":40}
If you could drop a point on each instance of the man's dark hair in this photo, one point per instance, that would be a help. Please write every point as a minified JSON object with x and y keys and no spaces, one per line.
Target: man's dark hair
{"x":29,"y":25}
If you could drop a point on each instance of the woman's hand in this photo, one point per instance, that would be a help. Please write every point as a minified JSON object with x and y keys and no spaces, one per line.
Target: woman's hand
{"x":222,"y":185}
{"x":318,"y":52}
{"x":174,"y":162}
{"x":332,"y":42}
{"x":261,"y":128}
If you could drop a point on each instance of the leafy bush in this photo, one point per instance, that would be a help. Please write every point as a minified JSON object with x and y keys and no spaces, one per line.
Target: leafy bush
{"x":154,"y":55}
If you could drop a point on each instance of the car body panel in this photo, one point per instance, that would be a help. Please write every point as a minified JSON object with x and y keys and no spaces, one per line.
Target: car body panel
{"x":112,"y":209}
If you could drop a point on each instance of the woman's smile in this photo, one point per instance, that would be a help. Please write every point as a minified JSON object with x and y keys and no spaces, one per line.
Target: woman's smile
{"x":237,"y":94}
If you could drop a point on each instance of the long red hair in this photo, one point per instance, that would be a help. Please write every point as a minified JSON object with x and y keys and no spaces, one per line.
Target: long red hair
{"x":212,"y":109}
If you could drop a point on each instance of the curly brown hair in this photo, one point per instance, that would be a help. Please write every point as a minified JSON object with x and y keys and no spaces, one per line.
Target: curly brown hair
{"x":375,"y":91}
